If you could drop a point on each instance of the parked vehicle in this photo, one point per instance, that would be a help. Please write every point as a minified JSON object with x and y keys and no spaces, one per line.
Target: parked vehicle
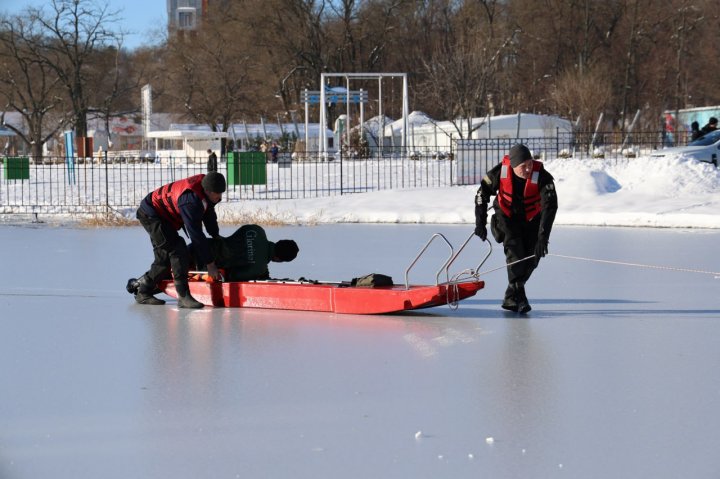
{"x":706,"y":149}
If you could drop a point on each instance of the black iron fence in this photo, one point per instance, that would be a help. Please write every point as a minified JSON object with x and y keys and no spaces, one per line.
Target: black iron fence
{"x":51,"y":185}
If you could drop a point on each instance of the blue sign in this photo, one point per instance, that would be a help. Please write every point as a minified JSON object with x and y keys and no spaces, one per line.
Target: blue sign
{"x":332,"y":97}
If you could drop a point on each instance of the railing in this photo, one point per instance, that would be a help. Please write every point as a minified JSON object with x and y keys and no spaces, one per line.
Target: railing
{"x":93,"y":186}
{"x":50,"y":186}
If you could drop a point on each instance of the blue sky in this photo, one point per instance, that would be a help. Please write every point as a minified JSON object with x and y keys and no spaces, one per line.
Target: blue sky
{"x":142,"y":18}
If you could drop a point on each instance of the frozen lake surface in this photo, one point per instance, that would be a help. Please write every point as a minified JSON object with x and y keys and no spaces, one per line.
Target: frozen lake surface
{"x":612,"y":375}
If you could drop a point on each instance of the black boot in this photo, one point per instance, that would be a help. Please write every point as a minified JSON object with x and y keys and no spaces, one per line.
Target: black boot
{"x":143,"y":290}
{"x":185,"y":299}
{"x":522,"y":302}
{"x":510,"y":302}
{"x":132,"y":286}
{"x":142,"y":298}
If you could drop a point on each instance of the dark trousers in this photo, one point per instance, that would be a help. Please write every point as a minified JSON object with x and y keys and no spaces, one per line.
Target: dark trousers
{"x":169,"y":248}
{"x":519,"y":238}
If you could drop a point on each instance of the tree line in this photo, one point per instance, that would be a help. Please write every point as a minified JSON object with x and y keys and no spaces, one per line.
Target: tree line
{"x":65,"y":62}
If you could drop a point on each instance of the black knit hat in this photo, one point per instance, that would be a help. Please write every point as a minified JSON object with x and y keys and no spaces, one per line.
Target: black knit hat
{"x":214,"y":182}
{"x":519,"y":154}
{"x":286,"y":250}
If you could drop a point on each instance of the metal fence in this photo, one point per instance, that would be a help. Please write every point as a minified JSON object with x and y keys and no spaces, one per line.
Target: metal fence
{"x":91,"y":186}
{"x":51,"y":186}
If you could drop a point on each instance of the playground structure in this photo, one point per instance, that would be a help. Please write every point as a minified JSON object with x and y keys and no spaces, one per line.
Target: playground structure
{"x":328,"y":95}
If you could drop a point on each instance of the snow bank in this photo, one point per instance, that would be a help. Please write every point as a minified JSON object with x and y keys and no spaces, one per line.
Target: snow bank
{"x":667,"y":193}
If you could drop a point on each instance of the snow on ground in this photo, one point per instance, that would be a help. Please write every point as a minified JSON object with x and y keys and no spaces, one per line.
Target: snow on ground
{"x":651,"y":192}
{"x":668,"y":193}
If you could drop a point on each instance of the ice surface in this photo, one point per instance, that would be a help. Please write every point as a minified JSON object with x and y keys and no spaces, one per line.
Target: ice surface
{"x":613,"y":373}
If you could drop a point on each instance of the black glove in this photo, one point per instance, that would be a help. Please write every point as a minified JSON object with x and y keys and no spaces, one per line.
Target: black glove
{"x":541,"y":248}
{"x":481,"y":221}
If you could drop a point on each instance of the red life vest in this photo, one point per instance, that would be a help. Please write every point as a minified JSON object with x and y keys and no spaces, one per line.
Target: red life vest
{"x":531,"y":192}
{"x":165,"y":198}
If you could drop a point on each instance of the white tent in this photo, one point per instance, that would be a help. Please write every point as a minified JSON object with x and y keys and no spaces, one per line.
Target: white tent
{"x":438,"y":135}
{"x":373,"y":128}
{"x":521,"y":125}
{"x":416,"y":119}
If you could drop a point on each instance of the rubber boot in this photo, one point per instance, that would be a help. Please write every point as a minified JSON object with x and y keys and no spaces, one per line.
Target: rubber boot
{"x":132,"y":286}
{"x":142,"y":298}
{"x":185,"y":299}
{"x":522,"y":302}
{"x":144,"y":291}
{"x":510,"y":302}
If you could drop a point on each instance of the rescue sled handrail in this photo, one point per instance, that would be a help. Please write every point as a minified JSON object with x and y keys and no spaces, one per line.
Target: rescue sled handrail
{"x":443,"y":267}
{"x":475,"y":271}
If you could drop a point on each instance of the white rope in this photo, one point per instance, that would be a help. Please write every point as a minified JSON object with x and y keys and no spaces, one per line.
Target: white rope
{"x":452,"y":286}
{"x":506,"y":265}
{"x":639,"y":265}
{"x":453,"y":290}
{"x":622,"y":263}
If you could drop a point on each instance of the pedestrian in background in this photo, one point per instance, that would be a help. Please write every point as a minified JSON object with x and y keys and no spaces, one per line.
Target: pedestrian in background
{"x":212,"y":164}
{"x":711,"y":125}
{"x":695,"y":131}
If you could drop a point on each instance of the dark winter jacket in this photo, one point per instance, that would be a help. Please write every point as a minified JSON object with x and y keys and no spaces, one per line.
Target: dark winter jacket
{"x":244,"y":255}
{"x":708,"y":128}
{"x":183,"y":204}
{"x":212,"y":163}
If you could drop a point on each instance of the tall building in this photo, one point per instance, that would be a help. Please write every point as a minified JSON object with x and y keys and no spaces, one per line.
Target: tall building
{"x":185,"y":14}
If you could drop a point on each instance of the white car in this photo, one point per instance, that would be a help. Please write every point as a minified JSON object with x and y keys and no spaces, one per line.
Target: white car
{"x":705,"y":148}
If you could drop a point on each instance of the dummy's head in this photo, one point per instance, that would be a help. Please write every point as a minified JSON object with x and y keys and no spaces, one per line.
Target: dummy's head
{"x":285,"y":250}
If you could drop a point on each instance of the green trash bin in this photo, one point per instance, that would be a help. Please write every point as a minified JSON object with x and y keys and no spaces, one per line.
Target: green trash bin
{"x":17,"y":168}
{"x":246,"y":168}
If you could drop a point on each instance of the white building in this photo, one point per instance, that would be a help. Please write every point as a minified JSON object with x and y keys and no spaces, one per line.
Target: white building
{"x":185,"y":14}
{"x":426,"y":133}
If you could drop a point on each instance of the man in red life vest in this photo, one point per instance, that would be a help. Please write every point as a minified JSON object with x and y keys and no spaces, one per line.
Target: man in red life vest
{"x":525,"y":206}
{"x":188,"y":204}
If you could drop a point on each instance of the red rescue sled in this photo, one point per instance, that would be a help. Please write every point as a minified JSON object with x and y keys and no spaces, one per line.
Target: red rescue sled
{"x":335,"y":297}
{"x":326,"y":297}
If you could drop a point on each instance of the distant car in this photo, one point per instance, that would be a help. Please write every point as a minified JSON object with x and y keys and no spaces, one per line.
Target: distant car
{"x":706,"y":149}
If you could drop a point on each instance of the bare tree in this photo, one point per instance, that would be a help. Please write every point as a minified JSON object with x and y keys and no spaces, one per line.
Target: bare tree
{"x":291,"y":38}
{"x":685,"y":20}
{"x":360,"y":33}
{"x":213,"y":74}
{"x":73,"y":32}
{"x":465,"y":58}
{"x":583,"y":94}
{"x":28,"y":85}
{"x":461,"y":73}
{"x":119,"y":86}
